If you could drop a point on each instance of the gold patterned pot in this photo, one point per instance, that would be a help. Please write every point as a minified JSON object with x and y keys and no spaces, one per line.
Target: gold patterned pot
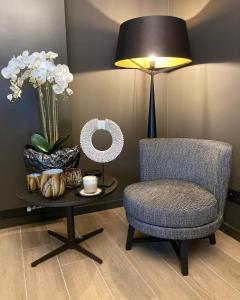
{"x":53,"y":183}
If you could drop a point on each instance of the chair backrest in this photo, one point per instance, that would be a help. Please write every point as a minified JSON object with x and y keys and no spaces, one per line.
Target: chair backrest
{"x":204,"y":162}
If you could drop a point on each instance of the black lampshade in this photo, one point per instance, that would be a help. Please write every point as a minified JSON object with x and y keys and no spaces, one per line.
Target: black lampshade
{"x":159,"y":39}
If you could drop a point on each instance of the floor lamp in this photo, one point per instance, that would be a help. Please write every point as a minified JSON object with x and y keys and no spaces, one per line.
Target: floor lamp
{"x":153,"y":44}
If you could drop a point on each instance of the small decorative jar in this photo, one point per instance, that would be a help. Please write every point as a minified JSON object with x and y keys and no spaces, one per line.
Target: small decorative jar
{"x":53,"y":183}
{"x":33,"y":182}
{"x":73,"y":177}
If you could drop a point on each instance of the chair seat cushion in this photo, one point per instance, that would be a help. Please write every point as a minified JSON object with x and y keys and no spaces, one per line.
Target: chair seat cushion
{"x":170,"y":203}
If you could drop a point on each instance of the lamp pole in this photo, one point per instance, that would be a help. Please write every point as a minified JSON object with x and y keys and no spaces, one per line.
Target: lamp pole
{"x":152,"y":128}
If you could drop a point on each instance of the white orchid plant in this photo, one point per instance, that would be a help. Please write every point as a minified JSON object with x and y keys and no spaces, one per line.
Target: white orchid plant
{"x":50,"y":79}
{"x":37,"y":69}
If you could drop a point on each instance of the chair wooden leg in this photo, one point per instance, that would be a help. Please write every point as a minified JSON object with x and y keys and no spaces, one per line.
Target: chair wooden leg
{"x":184,"y":257}
{"x":212,"y":239}
{"x":130,"y":235}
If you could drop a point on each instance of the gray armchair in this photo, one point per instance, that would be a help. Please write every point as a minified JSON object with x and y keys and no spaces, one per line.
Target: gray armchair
{"x":182,"y":192}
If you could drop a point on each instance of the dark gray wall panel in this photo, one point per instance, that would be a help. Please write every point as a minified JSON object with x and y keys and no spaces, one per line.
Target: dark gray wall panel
{"x":203,"y":99}
{"x":99,"y":89}
{"x":34,"y":25}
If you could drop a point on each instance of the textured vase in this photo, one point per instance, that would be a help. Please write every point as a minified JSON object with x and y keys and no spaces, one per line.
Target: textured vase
{"x":36,"y":162}
{"x":53,"y":183}
{"x":73,"y":177}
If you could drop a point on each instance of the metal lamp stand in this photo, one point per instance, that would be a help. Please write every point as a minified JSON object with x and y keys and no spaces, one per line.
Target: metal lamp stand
{"x":152,"y":128}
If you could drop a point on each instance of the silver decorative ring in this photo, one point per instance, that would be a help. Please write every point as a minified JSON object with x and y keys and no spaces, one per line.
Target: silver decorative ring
{"x":86,"y":140}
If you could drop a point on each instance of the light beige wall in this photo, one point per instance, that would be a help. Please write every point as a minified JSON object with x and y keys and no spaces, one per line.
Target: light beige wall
{"x":100,"y":91}
{"x":204,"y":99}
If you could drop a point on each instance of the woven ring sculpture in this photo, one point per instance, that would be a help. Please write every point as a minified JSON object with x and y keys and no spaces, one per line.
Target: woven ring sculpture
{"x":86,"y":140}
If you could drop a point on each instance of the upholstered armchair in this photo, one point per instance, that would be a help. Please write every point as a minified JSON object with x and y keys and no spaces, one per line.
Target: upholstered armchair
{"x":182,"y":192}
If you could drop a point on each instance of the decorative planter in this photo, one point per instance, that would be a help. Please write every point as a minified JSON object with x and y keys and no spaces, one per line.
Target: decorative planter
{"x":65,"y":158}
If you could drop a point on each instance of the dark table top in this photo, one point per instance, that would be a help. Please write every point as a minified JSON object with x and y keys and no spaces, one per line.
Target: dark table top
{"x":114,"y":192}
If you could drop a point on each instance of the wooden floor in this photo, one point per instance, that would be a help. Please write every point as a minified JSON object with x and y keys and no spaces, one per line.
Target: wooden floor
{"x":145,"y":272}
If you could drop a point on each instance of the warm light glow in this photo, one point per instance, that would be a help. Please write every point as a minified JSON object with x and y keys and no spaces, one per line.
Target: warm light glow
{"x":152,"y":57}
{"x":152,"y":61}
{"x":159,"y":62}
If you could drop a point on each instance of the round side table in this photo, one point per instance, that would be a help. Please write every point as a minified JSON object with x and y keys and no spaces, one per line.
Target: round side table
{"x":69,"y":200}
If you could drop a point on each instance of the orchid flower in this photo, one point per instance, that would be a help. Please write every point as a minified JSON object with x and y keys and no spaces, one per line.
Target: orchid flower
{"x":37,"y":69}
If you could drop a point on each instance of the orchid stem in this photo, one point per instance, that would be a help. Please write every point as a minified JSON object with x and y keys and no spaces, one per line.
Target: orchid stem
{"x":42,"y":113}
{"x":55,"y":115}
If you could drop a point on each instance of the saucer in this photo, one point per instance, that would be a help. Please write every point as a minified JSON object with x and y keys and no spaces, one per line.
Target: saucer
{"x":82,"y":193}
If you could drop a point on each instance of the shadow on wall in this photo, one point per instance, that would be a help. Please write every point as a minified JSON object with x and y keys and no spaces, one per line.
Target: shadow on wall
{"x":214,"y":33}
{"x":95,"y":37}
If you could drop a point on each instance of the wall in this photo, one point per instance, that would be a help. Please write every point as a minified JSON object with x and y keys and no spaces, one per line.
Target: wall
{"x":204,"y":99}
{"x":199,"y":101}
{"x":100,"y":90}
{"x":33,"y":25}
{"x":195,"y":101}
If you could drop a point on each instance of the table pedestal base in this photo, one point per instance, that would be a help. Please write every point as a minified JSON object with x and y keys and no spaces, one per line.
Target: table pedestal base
{"x":70,"y":242}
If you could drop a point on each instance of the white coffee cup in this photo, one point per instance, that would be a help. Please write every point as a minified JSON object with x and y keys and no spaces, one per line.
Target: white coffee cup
{"x":90,"y":184}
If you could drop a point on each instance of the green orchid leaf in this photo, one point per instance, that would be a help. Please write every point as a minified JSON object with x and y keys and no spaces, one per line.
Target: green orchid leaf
{"x":59,"y":143}
{"x":31,"y":147}
{"x":40,"y":143}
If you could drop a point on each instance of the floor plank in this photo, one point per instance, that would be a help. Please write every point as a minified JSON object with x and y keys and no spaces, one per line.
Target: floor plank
{"x":70,"y":255}
{"x":44,"y":282}
{"x":160,"y":276}
{"x":86,"y":223}
{"x":107,"y":216}
{"x":157,"y":273}
{"x":34,"y":235}
{"x":201,"y":278}
{"x":221,"y":263}
{"x":85,"y":282}
{"x":228,"y":245}
{"x":121,"y":212}
{"x":122,"y":279}
{"x":10,"y":230}
{"x":3,"y":231}
{"x":12,"y":285}
{"x":148,"y":271}
{"x":117,"y":231}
